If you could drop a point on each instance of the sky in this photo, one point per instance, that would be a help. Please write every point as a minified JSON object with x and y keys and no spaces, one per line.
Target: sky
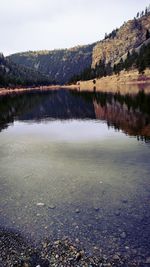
{"x":51,"y":24}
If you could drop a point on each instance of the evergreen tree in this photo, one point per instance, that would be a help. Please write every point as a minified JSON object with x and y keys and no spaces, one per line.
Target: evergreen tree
{"x":146,"y":11}
{"x":147,"y":34}
{"x":141,"y":67}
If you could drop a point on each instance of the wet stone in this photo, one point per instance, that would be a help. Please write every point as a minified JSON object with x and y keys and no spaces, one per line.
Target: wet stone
{"x":52,"y":207}
{"x":117,"y":213}
{"x":96,"y":209}
{"x":148,"y":260}
{"x":77,"y":211}
{"x":116,"y":257}
{"x":125,"y":201}
{"x":123,"y":235}
{"x":40,"y":204}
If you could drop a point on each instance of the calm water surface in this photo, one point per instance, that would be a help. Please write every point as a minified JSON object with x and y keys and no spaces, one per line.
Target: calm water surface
{"x":77,"y":165}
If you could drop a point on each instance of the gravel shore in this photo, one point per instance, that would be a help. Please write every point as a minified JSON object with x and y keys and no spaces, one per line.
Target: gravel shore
{"x":15,"y":252}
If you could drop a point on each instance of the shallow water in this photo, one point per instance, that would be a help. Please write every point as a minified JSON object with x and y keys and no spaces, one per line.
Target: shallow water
{"x":69,"y":166}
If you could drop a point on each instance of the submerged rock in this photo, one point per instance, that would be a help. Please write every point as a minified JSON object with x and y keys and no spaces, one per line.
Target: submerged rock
{"x":148,"y":260}
{"x":117,"y":213}
{"x":123,"y":235}
{"x":77,"y":211}
{"x":40,"y":204}
{"x":51,"y":207}
{"x":96,"y":208}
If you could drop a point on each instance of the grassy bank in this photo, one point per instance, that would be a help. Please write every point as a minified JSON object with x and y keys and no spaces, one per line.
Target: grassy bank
{"x":125,"y":82}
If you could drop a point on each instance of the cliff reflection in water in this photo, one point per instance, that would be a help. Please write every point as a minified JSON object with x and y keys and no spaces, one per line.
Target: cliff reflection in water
{"x":128,"y":113}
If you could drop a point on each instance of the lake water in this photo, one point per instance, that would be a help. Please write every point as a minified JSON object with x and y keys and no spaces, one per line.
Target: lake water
{"x":77,"y":165}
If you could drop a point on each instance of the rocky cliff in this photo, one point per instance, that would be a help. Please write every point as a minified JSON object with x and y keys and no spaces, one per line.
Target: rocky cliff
{"x":130,"y":36}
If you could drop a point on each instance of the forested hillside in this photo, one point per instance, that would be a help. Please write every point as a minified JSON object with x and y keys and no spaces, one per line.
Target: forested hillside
{"x":12,"y":74}
{"x":60,"y":65}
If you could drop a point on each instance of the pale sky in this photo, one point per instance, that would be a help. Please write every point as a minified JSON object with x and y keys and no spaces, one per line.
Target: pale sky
{"x":49,"y":24}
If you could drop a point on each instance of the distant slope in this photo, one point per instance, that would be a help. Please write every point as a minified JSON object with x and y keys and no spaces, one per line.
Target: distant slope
{"x":12,"y":74}
{"x":60,"y":65}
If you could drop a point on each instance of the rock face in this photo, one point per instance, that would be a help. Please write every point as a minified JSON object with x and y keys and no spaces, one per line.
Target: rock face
{"x":129,"y":36}
{"x":61,"y":65}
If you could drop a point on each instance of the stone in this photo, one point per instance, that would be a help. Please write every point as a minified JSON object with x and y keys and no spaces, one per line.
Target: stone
{"x":96,"y":208}
{"x":79,"y":255}
{"x":77,"y":211}
{"x":147,"y":260}
{"x":123,"y":235}
{"x":124,"y":201}
{"x":40,"y":204}
{"x":116,"y":257}
{"x":117,"y":213}
{"x":52,"y":207}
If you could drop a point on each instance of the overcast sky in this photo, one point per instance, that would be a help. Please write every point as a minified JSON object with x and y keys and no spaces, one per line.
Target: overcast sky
{"x":48,"y":24}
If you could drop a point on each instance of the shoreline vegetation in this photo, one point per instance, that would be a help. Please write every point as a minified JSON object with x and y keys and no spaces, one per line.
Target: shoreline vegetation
{"x":115,"y":83}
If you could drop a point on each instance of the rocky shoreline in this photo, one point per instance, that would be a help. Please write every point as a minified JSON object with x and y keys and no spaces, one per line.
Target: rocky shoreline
{"x":16,"y":252}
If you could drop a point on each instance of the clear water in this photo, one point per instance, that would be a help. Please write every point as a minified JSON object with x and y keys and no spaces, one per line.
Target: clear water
{"x":78,"y":171}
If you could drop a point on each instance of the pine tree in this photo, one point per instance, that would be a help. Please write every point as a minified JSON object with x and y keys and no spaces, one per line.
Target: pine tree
{"x":147,"y":34}
{"x":141,"y":67}
{"x":146,"y":11}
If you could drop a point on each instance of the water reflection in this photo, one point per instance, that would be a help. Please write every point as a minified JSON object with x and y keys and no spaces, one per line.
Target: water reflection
{"x":128,"y":113}
{"x":77,"y":178}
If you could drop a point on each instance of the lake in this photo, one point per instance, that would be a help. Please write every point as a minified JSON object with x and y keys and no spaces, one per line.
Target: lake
{"x":77,"y":165}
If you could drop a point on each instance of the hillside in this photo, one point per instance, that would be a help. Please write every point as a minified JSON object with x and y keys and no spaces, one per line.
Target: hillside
{"x":12,"y":74}
{"x":131,"y":35}
{"x":60,"y":65}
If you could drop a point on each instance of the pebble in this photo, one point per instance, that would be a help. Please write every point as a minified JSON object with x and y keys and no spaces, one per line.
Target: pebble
{"x":124,"y":201}
{"x":26,"y":265}
{"x":123,"y":235}
{"x":96,"y":208}
{"x":117,"y":213}
{"x":77,"y":211}
{"x":148,"y":260}
{"x":40,"y":204}
{"x":79,"y":255}
{"x":116,"y":257}
{"x":51,"y":207}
